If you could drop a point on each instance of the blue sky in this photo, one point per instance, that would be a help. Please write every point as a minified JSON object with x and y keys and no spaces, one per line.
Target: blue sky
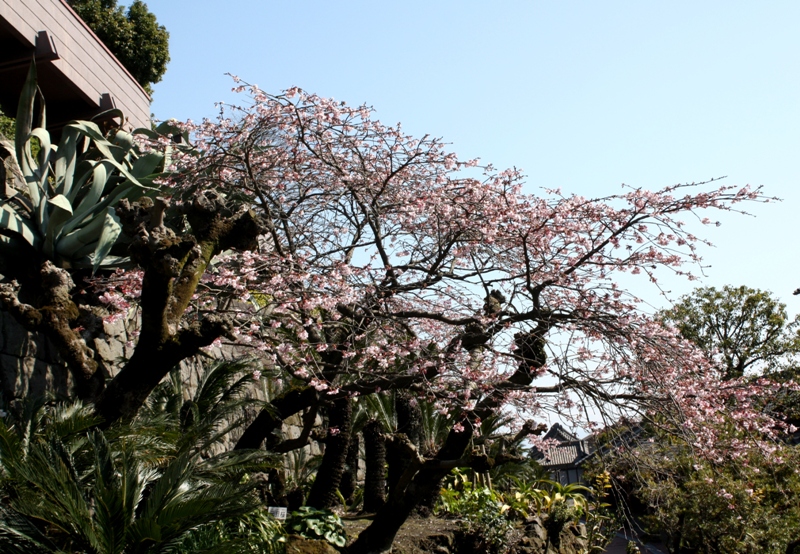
{"x":583,"y":96}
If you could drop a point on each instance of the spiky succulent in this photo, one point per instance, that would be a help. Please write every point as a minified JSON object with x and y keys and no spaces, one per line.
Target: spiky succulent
{"x":62,"y":204}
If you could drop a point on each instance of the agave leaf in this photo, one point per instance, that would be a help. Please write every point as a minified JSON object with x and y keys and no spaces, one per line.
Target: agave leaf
{"x":45,"y":148}
{"x":126,"y":189}
{"x":123,"y":140}
{"x":66,"y":161}
{"x":92,"y":131}
{"x":69,"y":244}
{"x":83,"y":253}
{"x":147,"y":164}
{"x":24,"y":126}
{"x":61,"y":202}
{"x":11,"y":221}
{"x":100,"y":174}
{"x":126,"y":173}
{"x":111,"y":232}
{"x":149,"y":133}
{"x":170,"y":128}
{"x":30,"y":172}
{"x":61,"y":212}
{"x":84,"y":172}
{"x":109,"y":262}
{"x":88,"y":212}
{"x":109,"y":114}
{"x":24,"y":123}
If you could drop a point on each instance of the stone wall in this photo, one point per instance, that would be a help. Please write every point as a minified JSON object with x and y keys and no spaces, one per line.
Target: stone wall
{"x":29,"y":365}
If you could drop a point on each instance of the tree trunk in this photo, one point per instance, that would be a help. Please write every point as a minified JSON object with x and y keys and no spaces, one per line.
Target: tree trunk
{"x":270,"y":419}
{"x":53,"y":313}
{"x":173,"y":268}
{"x":378,"y":537}
{"x":409,"y":422}
{"x":277,"y":487}
{"x":409,"y":417}
{"x":349,"y":479}
{"x":428,"y":503}
{"x":375,"y":462}
{"x":329,"y":475}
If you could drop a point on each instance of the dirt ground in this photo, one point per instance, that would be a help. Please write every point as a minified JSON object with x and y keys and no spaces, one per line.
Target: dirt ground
{"x":416,"y":536}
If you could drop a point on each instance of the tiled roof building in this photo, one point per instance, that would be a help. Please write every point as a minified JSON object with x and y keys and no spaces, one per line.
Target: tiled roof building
{"x":564,"y":460}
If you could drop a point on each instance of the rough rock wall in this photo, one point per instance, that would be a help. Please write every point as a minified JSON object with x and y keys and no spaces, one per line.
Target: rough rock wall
{"x":29,"y":365}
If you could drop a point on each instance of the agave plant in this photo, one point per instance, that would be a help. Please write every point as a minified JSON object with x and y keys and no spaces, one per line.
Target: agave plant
{"x":63,"y":203}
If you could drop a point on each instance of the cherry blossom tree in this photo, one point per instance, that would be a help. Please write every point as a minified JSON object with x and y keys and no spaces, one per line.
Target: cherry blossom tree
{"x":387,"y":263}
{"x":355,"y":259}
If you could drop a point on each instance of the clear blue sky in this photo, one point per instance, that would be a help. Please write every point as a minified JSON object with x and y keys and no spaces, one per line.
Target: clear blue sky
{"x":580,"y":95}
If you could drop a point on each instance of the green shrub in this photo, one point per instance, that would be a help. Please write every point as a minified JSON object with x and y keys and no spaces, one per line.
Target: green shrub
{"x":312,"y":523}
{"x":485,"y":526}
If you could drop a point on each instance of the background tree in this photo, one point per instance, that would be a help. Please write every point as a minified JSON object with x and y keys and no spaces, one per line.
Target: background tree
{"x":739,"y":328}
{"x":133,"y":36}
{"x":721,"y":503}
{"x":744,"y":504}
{"x":6,"y":126}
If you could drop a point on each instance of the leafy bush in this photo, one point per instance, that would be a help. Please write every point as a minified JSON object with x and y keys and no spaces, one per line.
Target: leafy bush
{"x":745,"y":503}
{"x":490,"y":515}
{"x":485,"y":526}
{"x":312,"y":523}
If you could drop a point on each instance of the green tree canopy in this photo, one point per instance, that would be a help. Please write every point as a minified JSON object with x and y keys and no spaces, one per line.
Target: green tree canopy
{"x":6,"y":125}
{"x":133,"y":36}
{"x":739,"y":327}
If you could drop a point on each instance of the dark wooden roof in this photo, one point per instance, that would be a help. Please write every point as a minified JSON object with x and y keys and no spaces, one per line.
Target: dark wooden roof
{"x":570,"y":452}
{"x":78,"y":76}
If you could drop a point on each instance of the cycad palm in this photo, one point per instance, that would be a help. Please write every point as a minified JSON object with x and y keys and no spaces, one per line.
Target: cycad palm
{"x":148,"y":486}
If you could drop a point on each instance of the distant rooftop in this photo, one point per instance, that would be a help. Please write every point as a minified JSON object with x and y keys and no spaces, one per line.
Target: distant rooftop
{"x":79,"y":77}
{"x":570,"y":452}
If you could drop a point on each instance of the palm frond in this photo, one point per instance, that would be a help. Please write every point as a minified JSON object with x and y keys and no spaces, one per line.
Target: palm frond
{"x":19,"y":536}
{"x":381,"y":407}
{"x":66,"y":419}
{"x":233,"y":464}
{"x":143,"y":486}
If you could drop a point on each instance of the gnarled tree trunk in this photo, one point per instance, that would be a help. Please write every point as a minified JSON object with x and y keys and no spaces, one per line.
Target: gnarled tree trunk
{"x":409,"y":422}
{"x":423,"y":476}
{"x":323,"y":491}
{"x":349,"y":480}
{"x":375,"y":465}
